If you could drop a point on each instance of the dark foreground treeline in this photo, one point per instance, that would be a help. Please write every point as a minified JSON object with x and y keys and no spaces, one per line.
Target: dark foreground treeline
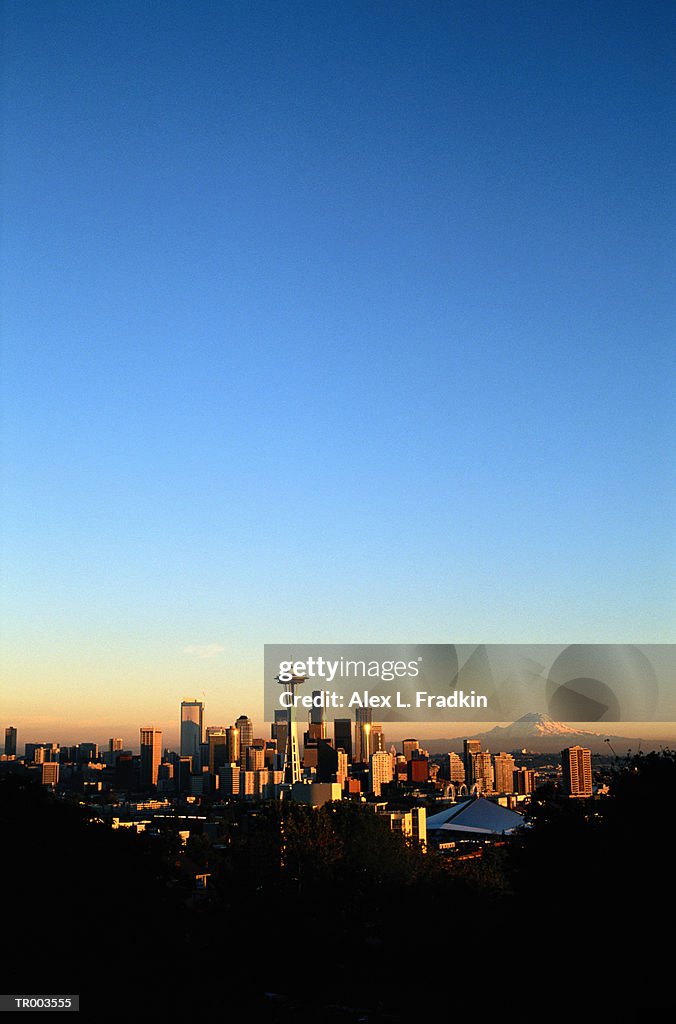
{"x":328,"y":916}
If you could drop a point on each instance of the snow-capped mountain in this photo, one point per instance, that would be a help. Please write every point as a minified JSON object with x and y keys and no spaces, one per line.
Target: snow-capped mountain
{"x":541,"y":734}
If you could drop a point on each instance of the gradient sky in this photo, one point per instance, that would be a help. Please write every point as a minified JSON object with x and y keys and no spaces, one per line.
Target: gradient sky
{"x":339,"y":322}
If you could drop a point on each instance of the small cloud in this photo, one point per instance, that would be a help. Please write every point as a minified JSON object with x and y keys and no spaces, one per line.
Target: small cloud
{"x":204,"y":650}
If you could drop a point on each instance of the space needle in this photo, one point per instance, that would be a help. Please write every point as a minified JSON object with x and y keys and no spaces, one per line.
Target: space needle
{"x":291,"y":766}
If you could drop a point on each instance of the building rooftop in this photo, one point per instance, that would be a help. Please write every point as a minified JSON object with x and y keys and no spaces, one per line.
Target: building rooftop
{"x":475,"y":815}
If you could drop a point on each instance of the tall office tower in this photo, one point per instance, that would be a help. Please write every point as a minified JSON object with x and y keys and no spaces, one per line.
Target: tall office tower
{"x":408,"y":747}
{"x":87,"y":752}
{"x":10,"y":741}
{"x":504,"y":772}
{"x":317,"y":721}
{"x":280,"y":730}
{"x":377,"y":739}
{"x":217,"y":738}
{"x":362,"y":735}
{"x":342,"y":736}
{"x":482,"y":771}
{"x":192,"y":714}
{"x":380,"y":771}
{"x":114,"y":743}
{"x":470,"y":747}
{"x":233,"y":744}
{"x":456,"y":768}
{"x":524,"y":781}
{"x":246,"y":737}
{"x":38,"y":753}
{"x":577,"y":773}
{"x":151,"y":755}
{"x":245,"y":726}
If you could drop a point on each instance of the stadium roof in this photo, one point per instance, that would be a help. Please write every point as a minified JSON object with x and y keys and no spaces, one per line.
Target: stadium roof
{"x":476,"y":815}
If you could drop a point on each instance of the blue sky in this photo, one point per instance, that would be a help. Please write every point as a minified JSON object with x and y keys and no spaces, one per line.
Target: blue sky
{"x":337,"y":322}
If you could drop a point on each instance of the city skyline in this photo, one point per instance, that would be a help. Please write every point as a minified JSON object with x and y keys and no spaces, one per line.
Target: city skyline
{"x":67,"y":733}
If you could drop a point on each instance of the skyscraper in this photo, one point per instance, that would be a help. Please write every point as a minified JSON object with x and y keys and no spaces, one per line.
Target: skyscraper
{"x":232,"y":756}
{"x":342,"y":733}
{"x":217,"y":739}
{"x":10,"y":741}
{"x":244,"y":725}
{"x":504,"y":772}
{"x":115,"y":743}
{"x":577,"y":773}
{"x":151,"y":755}
{"x":377,"y":738}
{"x":362,"y":736}
{"x":192,"y":713}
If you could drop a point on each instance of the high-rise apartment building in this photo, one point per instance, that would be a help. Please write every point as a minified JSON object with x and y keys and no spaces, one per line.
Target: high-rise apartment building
{"x":577,"y":773}
{"x":380,"y":771}
{"x":115,"y":743}
{"x":362,"y":738}
{"x":192,"y":715}
{"x":470,"y":748}
{"x":504,"y":766}
{"x":456,"y":768}
{"x":524,"y":781}
{"x":151,"y":755}
{"x":482,"y":771}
